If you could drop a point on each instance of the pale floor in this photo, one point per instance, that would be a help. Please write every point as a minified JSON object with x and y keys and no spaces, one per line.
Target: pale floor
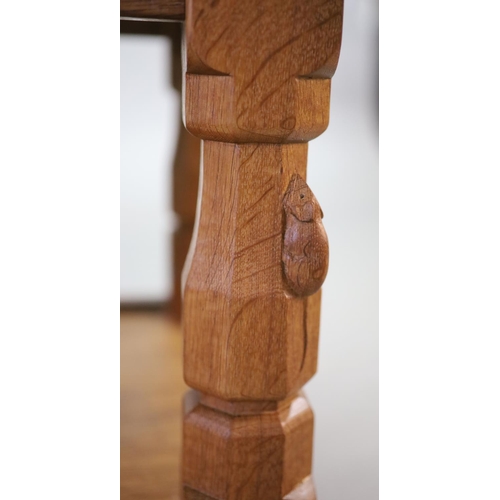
{"x":151,"y":393}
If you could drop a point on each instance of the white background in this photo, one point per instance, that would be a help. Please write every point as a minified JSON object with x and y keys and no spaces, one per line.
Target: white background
{"x":439,"y":248}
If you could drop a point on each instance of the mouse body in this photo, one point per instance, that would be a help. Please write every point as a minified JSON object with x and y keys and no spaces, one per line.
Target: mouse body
{"x":305,"y":244}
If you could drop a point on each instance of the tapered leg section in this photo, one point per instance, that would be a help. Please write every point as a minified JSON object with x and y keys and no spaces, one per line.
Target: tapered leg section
{"x":184,"y":185}
{"x":257,"y":88}
{"x":186,"y":173}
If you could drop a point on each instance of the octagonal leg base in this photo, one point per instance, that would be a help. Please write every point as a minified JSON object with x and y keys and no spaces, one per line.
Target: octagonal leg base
{"x":305,"y":491}
{"x":264,"y":455}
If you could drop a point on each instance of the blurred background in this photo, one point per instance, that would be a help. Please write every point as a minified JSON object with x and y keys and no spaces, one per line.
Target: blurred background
{"x":342,"y":173}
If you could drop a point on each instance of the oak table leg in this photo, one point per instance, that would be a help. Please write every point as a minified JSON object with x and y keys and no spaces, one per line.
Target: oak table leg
{"x":186,"y":171}
{"x":256,"y":91}
{"x":185,"y":182}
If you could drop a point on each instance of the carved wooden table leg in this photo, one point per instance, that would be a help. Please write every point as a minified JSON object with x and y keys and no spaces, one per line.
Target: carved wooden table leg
{"x":185,"y":183}
{"x":256,"y":90}
{"x":186,"y":170}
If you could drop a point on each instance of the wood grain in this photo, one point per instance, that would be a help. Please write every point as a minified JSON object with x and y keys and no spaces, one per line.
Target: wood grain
{"x":246,"y":337}
{"x":305,"y":244}
{"x":260,"y":72}
{"x":172,"y":10}
{"x":257,"y":88}
{"x":260,"y":456}
{"x":151,"y":412}
{"x":186,"y":172}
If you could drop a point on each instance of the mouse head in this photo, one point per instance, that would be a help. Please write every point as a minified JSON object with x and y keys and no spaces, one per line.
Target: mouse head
{"x":300,"y":201}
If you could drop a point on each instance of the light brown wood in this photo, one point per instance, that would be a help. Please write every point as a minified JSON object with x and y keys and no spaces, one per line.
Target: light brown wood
{"x":246,"y":337}
{"x":186,"y":171}
{"x":244,"y":407}
{"x":245,"y":455}
{"x":172,"y":10}
{"x":259,"y":72}
{"x":305,"y":245}
{"x":257,"y":89}
{"x":151,"y":415}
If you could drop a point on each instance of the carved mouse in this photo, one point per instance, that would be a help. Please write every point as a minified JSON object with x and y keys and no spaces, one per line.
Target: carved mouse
{"x":305,"y":244}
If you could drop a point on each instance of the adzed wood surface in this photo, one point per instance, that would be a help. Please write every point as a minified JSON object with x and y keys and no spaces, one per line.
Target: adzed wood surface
{"x":263,"y":456}
{"x":260,"y":71}
{"x":246,"y":337}
{"x":256,"y":90}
